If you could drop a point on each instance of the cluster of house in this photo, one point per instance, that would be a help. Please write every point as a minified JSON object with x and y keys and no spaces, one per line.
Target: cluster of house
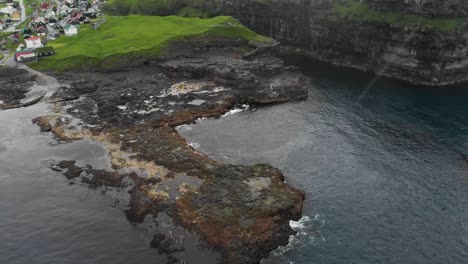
{"x":63,"y":17}
{"x":9,"y":13}
{"x":50,"y":21}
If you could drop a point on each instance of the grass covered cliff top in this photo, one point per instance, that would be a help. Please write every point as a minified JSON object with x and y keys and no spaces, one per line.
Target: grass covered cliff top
{"x":136,"y":35}
{"x":188,"y":8}
{"x":357,"y":10}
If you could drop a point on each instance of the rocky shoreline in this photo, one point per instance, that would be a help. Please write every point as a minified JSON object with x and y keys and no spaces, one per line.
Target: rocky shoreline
{"x":14,"y":85}
{"x":243,"y":212}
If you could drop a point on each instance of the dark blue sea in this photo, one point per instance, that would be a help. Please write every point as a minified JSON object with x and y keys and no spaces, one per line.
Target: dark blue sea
{"x":382,"y":164}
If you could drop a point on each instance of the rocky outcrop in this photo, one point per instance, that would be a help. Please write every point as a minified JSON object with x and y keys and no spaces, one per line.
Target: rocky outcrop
{"x":14,"y":85}
{"x":404,"y":50}
{"x":242,"y":212}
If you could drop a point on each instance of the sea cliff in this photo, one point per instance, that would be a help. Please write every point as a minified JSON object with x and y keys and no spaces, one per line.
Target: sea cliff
{"x":423,"y":42}
{"x":420,"y":41}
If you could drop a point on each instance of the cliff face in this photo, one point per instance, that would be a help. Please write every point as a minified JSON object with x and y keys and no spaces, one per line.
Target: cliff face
{"x":436,"y":8}
{"x":389,"y":37}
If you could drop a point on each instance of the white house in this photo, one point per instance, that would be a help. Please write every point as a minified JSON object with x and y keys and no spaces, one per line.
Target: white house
{"x":7,"y":10}
{"x":33,"y":42}
{"x":71,"y":30}
{"x":49,"y":14}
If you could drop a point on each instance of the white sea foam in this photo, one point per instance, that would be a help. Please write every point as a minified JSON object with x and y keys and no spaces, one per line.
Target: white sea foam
{"x":236,"y":110}
{"x":307,"y":232}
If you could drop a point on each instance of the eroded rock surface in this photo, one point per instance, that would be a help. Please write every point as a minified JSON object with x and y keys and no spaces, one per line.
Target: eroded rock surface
{"x":241,"y":211}
{"x":14,"y":84}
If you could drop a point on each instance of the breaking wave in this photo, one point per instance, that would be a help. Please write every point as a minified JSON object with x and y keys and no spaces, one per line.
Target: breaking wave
{"x":237,"y":109}
{"x":307,"y":233}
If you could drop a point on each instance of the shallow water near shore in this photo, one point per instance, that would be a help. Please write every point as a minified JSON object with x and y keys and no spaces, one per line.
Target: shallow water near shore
{"x":43,"y":219}
{"x":381,"y":162}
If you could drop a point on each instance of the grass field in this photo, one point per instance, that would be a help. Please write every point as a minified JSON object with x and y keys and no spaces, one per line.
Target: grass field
{"x":188,"y":8}
{"x":356,"y":10}
{"x":135,"y":35}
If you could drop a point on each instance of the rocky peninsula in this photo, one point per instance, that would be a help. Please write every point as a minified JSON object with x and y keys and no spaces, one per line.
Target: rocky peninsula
{"x":243,"y":212}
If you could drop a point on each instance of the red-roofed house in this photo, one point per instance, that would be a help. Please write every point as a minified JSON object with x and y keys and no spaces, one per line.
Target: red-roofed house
{"x":44,"y":6}
{"x":25,"y":55}
{"x":33,"y":42}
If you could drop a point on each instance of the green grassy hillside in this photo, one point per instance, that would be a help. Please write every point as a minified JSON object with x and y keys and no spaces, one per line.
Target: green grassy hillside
{"x":129,"y":36}
{"x":189,"y":8}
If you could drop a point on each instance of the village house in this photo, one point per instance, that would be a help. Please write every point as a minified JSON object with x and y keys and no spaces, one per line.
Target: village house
{"x":52,"y":21}
{"x":49,"y":14}
{"x":16,"y":16}
{"x":7,"y":10}
{"x":26,"y":31}
{"x":72,"y":21}
{"x":53,"y":34}
{"x":25,"y":55}
{"x":33,"y":42}
{"x":44,"y":6}
{"x":41,"y":30}
{"x":71,"y":30}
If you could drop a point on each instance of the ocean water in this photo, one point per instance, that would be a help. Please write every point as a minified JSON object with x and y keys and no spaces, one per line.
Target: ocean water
{"x":381,"y":163}
{"x":43,"y":219}
{"x":46,"y":220}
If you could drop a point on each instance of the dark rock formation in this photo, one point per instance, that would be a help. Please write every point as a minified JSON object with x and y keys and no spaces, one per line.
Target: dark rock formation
{"x":14,"y":84}
{"x":243,"y":212}
{"x":410,"y":52}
